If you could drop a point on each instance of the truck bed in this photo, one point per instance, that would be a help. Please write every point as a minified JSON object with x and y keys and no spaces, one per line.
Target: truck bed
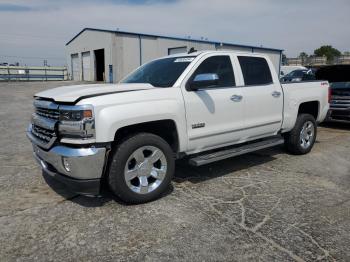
{"x":298,"y":93}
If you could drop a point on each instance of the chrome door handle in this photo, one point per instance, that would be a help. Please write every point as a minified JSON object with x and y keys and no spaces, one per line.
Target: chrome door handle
{"x":236,"y":98}
{"x":276,"y":94}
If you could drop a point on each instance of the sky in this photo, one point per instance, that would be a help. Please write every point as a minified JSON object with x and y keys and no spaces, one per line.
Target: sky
{"x":35,"y":30}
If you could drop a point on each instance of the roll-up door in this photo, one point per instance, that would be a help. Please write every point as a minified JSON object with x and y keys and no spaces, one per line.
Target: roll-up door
{"x":75,"y":67}
{"x":86,"y":66}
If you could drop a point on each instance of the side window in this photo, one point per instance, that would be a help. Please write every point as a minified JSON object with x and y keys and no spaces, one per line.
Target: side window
{"x":255,"y":70}
{"x":220,"y":65}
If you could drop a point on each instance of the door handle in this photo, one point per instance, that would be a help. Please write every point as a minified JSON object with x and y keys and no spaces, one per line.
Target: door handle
{"x":236,"y":98}
{"x":276,"y":94}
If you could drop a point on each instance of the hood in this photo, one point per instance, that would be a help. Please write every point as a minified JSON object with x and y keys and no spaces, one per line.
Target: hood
{"x":73,"y":94}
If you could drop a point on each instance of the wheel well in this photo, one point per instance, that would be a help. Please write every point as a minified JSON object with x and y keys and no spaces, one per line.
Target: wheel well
{"x":309,"y":108}
{"x":166,"y":129}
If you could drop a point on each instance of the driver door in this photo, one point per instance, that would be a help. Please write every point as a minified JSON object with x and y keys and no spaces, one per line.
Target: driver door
{"x":214,"y":109}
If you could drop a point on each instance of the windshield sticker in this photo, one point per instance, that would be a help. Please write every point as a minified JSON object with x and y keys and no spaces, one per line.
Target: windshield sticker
{"x":184,"y":60}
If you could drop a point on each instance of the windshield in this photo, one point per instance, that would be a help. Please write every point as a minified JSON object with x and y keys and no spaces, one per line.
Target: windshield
{"x":160,"y":73}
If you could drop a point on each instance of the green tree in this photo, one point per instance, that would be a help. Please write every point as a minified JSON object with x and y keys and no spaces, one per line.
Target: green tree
{"x":303,"y":55}
{"x":328,"y":51}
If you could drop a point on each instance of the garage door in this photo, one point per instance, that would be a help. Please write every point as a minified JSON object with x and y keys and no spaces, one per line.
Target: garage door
{"x":86,"y":66}
{"x":75,"y":67}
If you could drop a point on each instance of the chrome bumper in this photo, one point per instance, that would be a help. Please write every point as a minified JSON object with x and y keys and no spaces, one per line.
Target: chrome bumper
{"x":80,"y":169}
{"x":76,"y":163}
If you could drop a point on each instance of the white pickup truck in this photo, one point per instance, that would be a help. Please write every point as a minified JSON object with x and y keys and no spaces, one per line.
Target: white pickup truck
{"x":205,"y":106}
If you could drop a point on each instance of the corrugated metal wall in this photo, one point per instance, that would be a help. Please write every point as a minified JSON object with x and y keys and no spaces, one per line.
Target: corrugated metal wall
{"x":234,"y":48}
{"x":124,"y":51}
{"x":128,"y":55}
{"x":133,"y":50}
{"x":88,"y":42}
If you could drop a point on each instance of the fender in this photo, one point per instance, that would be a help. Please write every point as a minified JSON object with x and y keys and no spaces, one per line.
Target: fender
{"x":120,"y":110}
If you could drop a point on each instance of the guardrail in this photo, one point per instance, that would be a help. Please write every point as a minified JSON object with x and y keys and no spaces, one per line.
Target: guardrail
{"x":31,"y":73}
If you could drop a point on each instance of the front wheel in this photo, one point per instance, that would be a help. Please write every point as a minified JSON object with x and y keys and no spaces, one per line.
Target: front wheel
{"x":301,"y":138}
{"x":141,"y":168}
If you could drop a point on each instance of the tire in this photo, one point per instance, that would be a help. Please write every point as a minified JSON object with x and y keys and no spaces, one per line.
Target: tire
{"x":135,"y":175}
{"x":295,"y":141}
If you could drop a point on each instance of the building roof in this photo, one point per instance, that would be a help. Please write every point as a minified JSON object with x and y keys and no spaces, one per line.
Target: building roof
{"x":173,"y":38}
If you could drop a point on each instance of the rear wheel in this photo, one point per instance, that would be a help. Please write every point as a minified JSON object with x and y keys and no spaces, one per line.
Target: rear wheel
{"x":301,"y":139}
{"x":141,"y":169}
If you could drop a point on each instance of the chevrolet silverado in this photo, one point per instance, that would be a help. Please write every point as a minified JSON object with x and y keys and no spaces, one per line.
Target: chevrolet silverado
{"x":202,"y":106}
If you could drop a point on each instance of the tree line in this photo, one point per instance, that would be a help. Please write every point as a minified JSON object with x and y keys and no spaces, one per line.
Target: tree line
{"x":326,"y":50}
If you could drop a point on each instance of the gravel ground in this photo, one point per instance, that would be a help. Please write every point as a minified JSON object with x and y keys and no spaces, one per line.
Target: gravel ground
{"x":267,"y":206}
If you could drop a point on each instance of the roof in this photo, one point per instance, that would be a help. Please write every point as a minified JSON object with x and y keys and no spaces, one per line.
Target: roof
{"x":171,"y":37}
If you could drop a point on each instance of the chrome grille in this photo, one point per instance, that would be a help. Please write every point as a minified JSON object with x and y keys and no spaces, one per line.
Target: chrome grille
{"x":340,"y":102}
{"x":48,"y":113}
{"x":42,"y":133}
{"x":44,"y":122}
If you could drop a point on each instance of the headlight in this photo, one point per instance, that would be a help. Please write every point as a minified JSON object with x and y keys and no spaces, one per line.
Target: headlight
{"x":75,"y":115}
{"x":76,"y":123}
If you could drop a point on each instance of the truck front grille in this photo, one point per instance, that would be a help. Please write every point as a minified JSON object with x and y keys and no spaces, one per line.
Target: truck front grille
{"x":48,"y":113}
{"x":44,"y":122}
{"x":341,"y":102}
{"x":43,"y":134}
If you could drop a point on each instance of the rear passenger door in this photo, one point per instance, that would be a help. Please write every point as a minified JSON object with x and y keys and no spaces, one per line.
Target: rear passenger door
{"x":262,"y":96}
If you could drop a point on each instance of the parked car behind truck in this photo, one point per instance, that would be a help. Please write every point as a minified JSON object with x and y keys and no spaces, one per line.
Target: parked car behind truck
{"x":205,"y":106}
{"x":339,"y":79}
{"x":286,"y":69}
{"x":299,"y":75}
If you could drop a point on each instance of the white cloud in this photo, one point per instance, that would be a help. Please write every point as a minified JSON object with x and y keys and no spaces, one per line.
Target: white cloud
{"x":291,"y":25}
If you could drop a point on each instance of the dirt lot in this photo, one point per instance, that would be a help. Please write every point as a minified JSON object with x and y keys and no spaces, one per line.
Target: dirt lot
{"x":267,"y":206}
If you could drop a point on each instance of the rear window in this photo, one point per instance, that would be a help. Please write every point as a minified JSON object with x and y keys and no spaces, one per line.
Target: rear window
{"x":255,"y":70}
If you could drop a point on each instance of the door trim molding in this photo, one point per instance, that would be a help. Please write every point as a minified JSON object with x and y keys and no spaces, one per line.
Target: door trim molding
{"x":234,"y":130}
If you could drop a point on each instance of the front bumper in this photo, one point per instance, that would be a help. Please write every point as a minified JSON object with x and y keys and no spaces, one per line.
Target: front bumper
{"x":80,"y":169}
{"x":338,"y":114}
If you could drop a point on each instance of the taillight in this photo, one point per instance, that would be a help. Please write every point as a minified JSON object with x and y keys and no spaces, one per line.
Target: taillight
{"x":329,"y":90}
{"x":329,"y":94}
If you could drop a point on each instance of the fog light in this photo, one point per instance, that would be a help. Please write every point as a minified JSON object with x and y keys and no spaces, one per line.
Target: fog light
{"x":66,"y":164}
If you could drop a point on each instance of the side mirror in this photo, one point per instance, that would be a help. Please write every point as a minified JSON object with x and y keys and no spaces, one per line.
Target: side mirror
{"x":204,"y":80}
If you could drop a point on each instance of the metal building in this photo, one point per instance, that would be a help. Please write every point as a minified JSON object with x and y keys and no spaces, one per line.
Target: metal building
{"x":106,"y":55}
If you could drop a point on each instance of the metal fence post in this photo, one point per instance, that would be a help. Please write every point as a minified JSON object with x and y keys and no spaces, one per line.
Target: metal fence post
{"x":8,"y":73}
